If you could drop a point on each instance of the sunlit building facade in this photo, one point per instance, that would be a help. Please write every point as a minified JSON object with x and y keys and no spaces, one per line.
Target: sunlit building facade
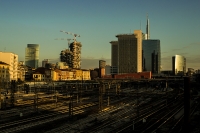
{"x":130,"y":52}
{"x":178,"y":65}
{"x":32,"y":55}
{"x":151,"y":56}
{"x":12,"y":60}
{"x":4,"y":73}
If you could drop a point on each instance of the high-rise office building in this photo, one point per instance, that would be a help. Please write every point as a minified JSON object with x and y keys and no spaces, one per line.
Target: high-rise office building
{"x":32,"y":55}
{"x":114,"y":53}
{"x":178,"y":65}
{"x":130,"y":52}
{"x":12,"y":60}
{"x":151,"y":56}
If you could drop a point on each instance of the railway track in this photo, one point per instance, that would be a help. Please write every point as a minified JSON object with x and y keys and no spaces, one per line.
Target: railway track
{"x":20,"y":125}
{"x":127,"y":122}
{"x":153,"y":123}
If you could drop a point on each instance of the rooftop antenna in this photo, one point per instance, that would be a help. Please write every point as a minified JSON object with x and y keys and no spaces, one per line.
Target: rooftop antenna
{"x":147,"y":28}
{"x":4,"y":49}
{"x":140,"y":24}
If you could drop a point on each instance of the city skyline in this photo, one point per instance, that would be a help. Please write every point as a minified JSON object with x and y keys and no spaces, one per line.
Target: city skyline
{"x":175,"y":24}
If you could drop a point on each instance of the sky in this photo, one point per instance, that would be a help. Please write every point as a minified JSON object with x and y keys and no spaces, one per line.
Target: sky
{"x":175,"y":23}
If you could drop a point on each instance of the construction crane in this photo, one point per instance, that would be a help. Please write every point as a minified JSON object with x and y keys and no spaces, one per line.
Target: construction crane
{"x":75,"y":35}
{"x":74,"y":53}
{"x":65,"y":39}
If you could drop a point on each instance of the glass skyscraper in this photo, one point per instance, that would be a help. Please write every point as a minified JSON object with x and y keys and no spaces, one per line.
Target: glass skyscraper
{"x":151,"y":56}
{"x":178,"y":65}
{"x":32,"y":55}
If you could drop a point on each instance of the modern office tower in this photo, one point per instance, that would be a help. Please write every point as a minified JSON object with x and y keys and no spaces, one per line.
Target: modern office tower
{"x":130,"y":52}
{"x":178,"y":65}
{"x":114,"y":53}
{"x":12,"y":60}
{"x":44,"y":62}
{"x":32,"y":55}
{"x":151,"y":56}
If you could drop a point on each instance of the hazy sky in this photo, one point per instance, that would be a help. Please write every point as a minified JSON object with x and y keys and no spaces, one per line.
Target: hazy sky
{"x":175,"y":23}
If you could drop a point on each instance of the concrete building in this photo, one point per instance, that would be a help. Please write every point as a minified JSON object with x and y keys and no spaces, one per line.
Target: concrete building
{"x":151,"y":56}
{"x":178,"y":65}
{"x":4,"y":73}
{"x":130,"y":52}
{"x":22,"y":69}
{"x":4,"y":76}
{"x":12,"y":60}
{"x":114,"y":53}
{"x":61,"y":65}
{"x":107,"y":70}
{"x":102,"y":65}
{"x":110,"y":70}
{"x":32,"y":55}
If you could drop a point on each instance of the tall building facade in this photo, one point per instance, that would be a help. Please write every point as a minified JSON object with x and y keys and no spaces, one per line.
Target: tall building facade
{"x":32,"y":55}
{"x":114,"y":53}
{"x":102,"y":65}
{"x":75,"y":47}
{"x":4,"y":73}
{"x":151,"y":56}
{"x":12,"y":60}
{"x":130,"y":52}
{"x":178,"y":65}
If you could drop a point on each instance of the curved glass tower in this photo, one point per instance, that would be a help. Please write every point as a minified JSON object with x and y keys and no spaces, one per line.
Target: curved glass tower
{"x":178,"y":65}
{"x":32,"y":55}
{"x":151,"y":56}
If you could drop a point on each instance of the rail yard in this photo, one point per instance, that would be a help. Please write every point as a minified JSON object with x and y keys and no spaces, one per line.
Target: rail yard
{"x":100,"y":106}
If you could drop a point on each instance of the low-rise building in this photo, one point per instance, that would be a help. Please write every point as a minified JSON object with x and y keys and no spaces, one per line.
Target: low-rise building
{"x":86,"y":75}
{"x":12,"y":60}
{"x":4,"y":73}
